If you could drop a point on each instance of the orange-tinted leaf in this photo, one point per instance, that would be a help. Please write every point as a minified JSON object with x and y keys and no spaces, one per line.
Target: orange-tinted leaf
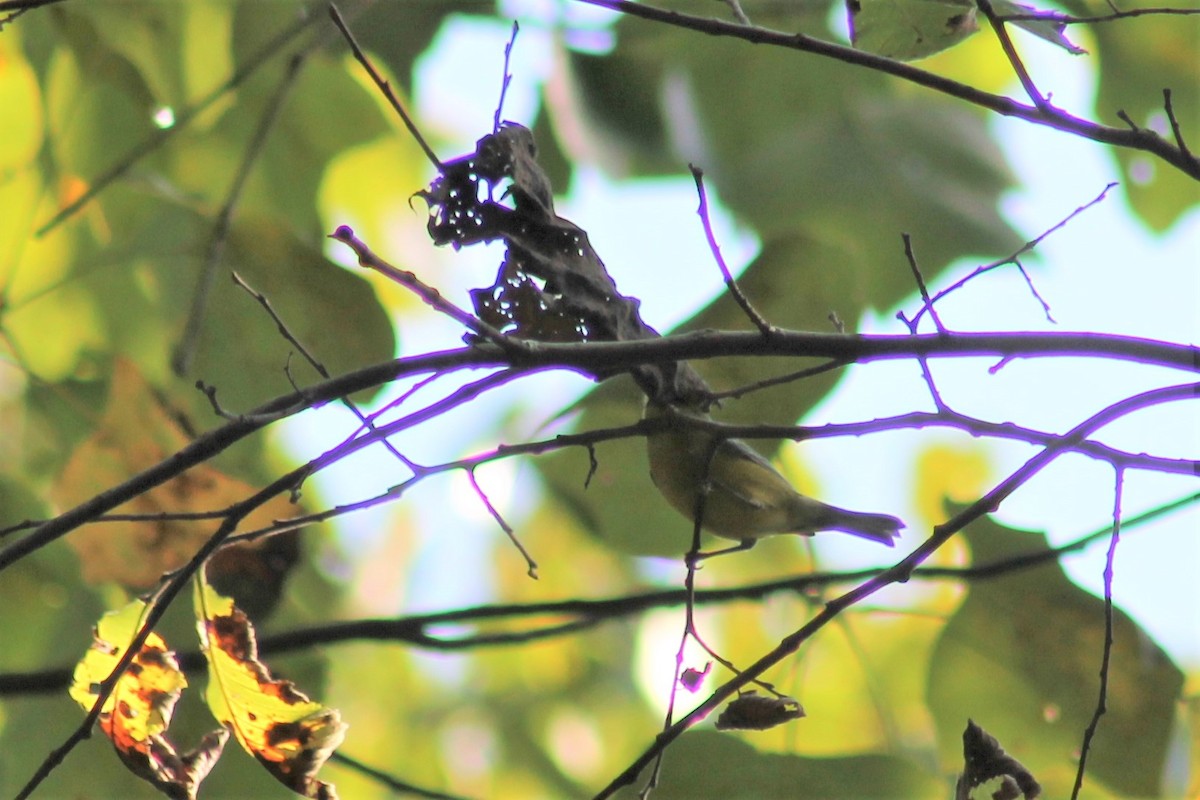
{"x":289,"y":734}
{"x":138,"y":711}
{"x":135,"y":433}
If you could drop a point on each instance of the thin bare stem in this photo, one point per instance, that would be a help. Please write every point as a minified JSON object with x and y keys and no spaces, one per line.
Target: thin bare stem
{"x":1169,"y":107}
{"x":743,"y":302}
{"x":287,"y":334}
{"x":1014,"y":258}
{"x":926,"y":373}
{"x":1106,"y":656}
{"x":431,"y":296}
{"x":384,"y":87}
{"x":766,"y":383}
{"x":1014,"y":58}
{"x":390,"y":781}
{"x":1068,"y":19}
{"x":507,"y":79}
{"x":530,"y":564}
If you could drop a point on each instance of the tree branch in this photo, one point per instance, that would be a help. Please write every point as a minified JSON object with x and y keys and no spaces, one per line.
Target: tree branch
{"x":1138,"y":139}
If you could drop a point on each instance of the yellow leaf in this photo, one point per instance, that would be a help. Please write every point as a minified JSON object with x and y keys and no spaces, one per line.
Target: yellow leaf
{"x":138,"y":711}
{"x":949,"y":472}
{"x":289,"y":734}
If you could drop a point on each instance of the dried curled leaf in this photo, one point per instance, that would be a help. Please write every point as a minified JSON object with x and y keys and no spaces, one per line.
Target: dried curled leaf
{"x":985,"y":760}
{"x":753,"y":712}
{"x":692,"y":678}
{"x":553,"y":285}
{"x":138,"y":712}
{"x":289,"y":734}
{"x":135,"y":433}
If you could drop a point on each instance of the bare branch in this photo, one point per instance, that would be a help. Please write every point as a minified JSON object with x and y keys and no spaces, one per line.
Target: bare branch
{"x":759,"y":321}
{"x":384,"y":87}
{"x":1106,"y":653}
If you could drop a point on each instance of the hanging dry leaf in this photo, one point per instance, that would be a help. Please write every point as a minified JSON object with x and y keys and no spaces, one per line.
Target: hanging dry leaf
{"x":289,"y":734}
{"x":137,"y":713}
{"x":984,"y":760}
{"x":753,"y":712}
{"x":691,"y":679}
{"x":135,"y":433}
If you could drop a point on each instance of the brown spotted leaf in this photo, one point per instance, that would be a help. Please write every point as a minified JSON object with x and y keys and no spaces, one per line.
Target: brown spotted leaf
{"x":289,"y":734}
{"x":137,"y":713}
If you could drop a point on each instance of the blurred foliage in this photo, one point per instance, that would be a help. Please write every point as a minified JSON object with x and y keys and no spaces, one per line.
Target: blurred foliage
{"x":825,"y":163}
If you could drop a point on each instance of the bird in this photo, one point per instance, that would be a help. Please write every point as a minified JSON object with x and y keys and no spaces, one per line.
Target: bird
{"x":746,"y":497}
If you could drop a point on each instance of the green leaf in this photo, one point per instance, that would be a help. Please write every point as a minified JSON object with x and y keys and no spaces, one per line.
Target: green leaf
{"x":821,"y":147}
{"x":331,"y":311}
{"x":702,"y":764}
{"x":1134,"y":70}
{"x":908,"y":30}
{"x":1021,"y":657}
{"x":148,"y":34}
{"x":1048,"y":28}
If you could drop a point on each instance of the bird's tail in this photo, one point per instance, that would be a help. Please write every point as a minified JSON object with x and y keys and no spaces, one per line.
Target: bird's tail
{"x":881,"y":528}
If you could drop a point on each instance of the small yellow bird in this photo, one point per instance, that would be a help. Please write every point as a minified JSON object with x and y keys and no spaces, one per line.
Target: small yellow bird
{"x":747,"y":497}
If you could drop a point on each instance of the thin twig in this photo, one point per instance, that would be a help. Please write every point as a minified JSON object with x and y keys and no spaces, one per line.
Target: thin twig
{"x":926,"y":303}
{"x":385,"y":779}
{"x":926,"y":373}
{"x":1033,"y":290}
{"x":743,"y":302}
{"x":287,"y":334}
{"x":1106,"y":656}
{"x":1169,"y":107}
{"x":504,"y":526}
{"x":384,"y":87}
{"x":507,"y":79}
{"x":432,"y":297}
{"x":1014,"y":59}
{"x":738,"y":13}
{"x":791,"y":377}
{"x":1059,"y":18}
{"x":1014,"y":258}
